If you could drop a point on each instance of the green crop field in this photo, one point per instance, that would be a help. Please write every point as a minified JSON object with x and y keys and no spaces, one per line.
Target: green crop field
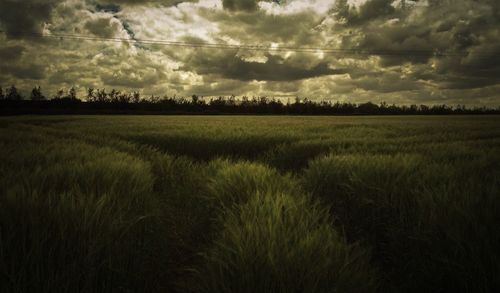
{"x":249,"y":204}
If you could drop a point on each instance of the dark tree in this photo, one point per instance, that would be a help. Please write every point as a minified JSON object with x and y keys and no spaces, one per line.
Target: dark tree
{"x":102,"y":96}
{"x":100,"y":101}
{"x":59,"y":95}
{"x":154,"y":99}
{"x":368,"y":108}
{"x":194,"y":99}
{"x":136,"y":97}
{"x":36,"y":94}
{"x":90,"y":95}
{"x":12,"y":94}
{"x":113,"y":95}
{"x":124,"y":98}
{"x":72,"y":93}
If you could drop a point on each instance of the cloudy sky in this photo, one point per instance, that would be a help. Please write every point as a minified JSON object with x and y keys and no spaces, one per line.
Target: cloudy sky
{"x":427,"y":51}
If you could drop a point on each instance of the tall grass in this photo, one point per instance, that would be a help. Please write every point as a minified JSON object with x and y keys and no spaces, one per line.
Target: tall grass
{"x":365,"y":190}
{"x":273,"y":238}
{"x":75,"y":218}
{"x":231,"y":184}
{"x":430,"y":224}
{"x":179,"y":204}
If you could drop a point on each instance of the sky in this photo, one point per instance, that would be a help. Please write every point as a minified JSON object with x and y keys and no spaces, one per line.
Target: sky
{"x":419,"y":52}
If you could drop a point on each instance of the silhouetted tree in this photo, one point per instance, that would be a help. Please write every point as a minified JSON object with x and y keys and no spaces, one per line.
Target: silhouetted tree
{"x":263,"y":101}
{"x":124,"y":98}
{"x":136,"y":97}
{"x":91,"y":95}
{"x":368,"y":108}
{"x":36,"y":94}
{"x":413,"y":109}
{"x":12,"y":94}
{"x":231,"y":101}
{"x":59,"y":95}
{"x":101,"y":96}
{"x":72,"y":93}
{"x":113,"y":95}
{"x":194,"y":99}
{"x":99,"y":100}
{"x":154,"y":99}
{"x":244,"y":101}
{"x":218,"y":103}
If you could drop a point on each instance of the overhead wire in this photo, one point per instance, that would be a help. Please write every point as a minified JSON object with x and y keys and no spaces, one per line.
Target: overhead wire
{"x":275,"y":47}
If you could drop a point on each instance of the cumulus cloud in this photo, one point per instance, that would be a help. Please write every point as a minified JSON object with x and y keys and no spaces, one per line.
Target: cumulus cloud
{"x":429,"y":51}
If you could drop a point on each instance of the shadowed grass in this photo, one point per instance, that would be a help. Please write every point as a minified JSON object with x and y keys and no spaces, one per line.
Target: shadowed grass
{"x":75,"y":219}
{"x":430,"y":224}
{"x":164,"y":204}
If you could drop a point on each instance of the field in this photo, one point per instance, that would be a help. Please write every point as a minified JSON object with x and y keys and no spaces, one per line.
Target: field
{"x":249,"y":204}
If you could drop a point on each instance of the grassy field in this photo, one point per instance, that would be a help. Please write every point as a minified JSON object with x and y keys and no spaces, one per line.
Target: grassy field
{"x":249,"y":204}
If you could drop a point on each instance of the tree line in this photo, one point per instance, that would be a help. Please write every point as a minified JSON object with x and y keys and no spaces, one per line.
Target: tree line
{"x":101,"y":101}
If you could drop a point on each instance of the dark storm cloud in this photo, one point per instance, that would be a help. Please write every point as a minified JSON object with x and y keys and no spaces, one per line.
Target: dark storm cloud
{"x":105,"y":27}
{"x":397,"y":44}
{"x":259,"y":27}
{"x":454,"y":37}
{"x":375,"y":9}
{"x":371,"y":9}
{"x":474,"y":71}
{"x":297,"y":29}
{"x":431,"y":51}
{"x":275,"y":68}
{"x":240,"y":5}
{"x":244,"y":5}
{"x":11,"y":53}
{"x":141,"y":2}
{"x":13,"y":64}
{"x":387,"y":83}
{"x":30,"y":71}
{"x":21,"y":17}
{"x":108,"y":7}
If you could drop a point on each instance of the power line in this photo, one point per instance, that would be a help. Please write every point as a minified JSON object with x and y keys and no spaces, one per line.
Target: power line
{"x":223,"y":46}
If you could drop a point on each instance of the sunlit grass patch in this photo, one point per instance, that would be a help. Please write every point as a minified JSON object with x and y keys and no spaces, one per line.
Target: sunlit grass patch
{"x":234,"y":183}
{"x":277,"y":242}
